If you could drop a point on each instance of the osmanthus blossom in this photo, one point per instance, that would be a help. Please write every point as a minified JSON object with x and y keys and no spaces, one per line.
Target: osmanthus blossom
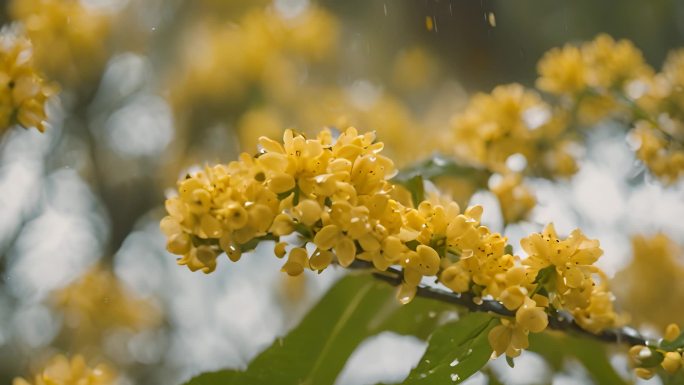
{"x":335,"y":194}
{"x":23,"y":90}
{"x":61,"y":370}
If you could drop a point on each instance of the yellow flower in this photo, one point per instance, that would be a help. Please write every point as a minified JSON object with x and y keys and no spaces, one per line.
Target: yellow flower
{"x":562,"y":71}
{"x":23,"y":91}
{"x":68,"y":37}
{"x":515,"y":198}
{"x":613,"y":63}
{"x":75,"y":371}
{"x":572,"y":278}
{"x":98,"y":302}
{"x":650,"y":288}
{"x":663,"y":156}
{"x":297,"y":261}
{"x":531,"y":317}
{"x":508,"y":338}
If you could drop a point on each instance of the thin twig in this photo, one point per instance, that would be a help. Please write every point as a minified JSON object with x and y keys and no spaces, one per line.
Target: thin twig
{"x":561,"y":321}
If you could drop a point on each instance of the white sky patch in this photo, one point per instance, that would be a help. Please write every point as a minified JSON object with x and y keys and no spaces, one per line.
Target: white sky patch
{"x":387,"y":357}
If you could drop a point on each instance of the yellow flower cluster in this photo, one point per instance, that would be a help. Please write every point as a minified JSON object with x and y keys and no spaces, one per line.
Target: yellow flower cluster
{"x":667,"y":354}
{"x":98,"y":302}
{"x":68,"y":36}
{"x":23,"y":92}
{"x":515,"y":198}
{"x":265,"y":48}
{"x":75,"y":371}
{"x":659,"y":134}
{"x":571,"y":279}
{"x":333,"y":195}
{"x":600,"y":65}
{"x":513,"y":124}
{"x":605,"y":78}
{"x":651,"y":287}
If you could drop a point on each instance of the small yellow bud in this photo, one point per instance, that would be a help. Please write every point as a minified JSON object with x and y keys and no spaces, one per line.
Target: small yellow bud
{"x":500,"y":338}
{"x":281,"y":183}
{"x":282,"y":225}
{"x":644,"y":373}
{"x":412,"y":277}
{"x":260,"y":217}
{"x":672,"y":332}
{"x":210,"y":227}
{"x":345,"y":250}
{"x":309,"y":211}
{"x":531,"y":317}
{"x":635,"y":353}
{"x":296,"y":262}
{"x":425,"y":260}
{"x":234,"y":253}
{"x":369,"y":243}
{"x":326,"y":238}
{"x":515,"y":275}
{"x":179,"y":244}
{"x":236,"y":216}
{"x":513,"y":297}
{"x":170,"y":226}
{"x":393,"y":248}
{"x":455,"y":278}
{"x":475,"y":212}
{"x":176,"y":208}
{"x":672,"y":362}
{"x":279,"y":249}
{"x":320,"y":259}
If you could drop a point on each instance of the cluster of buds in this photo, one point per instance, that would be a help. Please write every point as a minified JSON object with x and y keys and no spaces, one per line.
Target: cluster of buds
{"x":666,"y":354}
{"x":64,"y":371}
{"x":23,"y":92}
{"x":604,"y":78}
{"x":335,"y":196}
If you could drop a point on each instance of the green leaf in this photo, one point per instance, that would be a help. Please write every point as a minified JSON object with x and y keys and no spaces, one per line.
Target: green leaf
{"x":592,"y":354}
{"x":354,"y":309}
{"x":439,"y":166}
{"x":509,"y":361}
{"x":222,"y":377}
{"x":416,"y":187}
{"x":456,"y":351}
{"x":672,"y":345}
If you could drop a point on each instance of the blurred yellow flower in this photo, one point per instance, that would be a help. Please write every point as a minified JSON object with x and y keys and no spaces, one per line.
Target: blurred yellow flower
{"x":98,"y":302}
{"x":68,"y":37}
{"x":651,"y":287}
{"x":75,"y":371}
{"x":23,"y":91}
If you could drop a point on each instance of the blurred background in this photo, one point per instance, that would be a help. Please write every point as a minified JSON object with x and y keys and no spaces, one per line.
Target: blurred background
{"x":153,"y":89}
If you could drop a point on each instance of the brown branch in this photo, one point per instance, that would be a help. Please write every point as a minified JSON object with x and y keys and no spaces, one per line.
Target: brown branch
{"x":558,"y":321}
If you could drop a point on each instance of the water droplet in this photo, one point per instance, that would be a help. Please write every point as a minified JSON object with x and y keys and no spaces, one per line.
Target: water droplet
{"x":491,"y":19}
{"x":535,"y":117}
{"x":454,"y":362}
{"x":432,"y":314}
{"x":516,"y":162}
{"x":455,"y":377}
{"x":470,"y":351}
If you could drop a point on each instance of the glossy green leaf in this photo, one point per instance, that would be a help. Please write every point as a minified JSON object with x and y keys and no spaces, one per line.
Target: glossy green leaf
{"x":673,"y":345}
{"x":354,"y":309}
{"x":456,"y":351}
{"x":221,"y":377}
{"x":592,"y":354}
